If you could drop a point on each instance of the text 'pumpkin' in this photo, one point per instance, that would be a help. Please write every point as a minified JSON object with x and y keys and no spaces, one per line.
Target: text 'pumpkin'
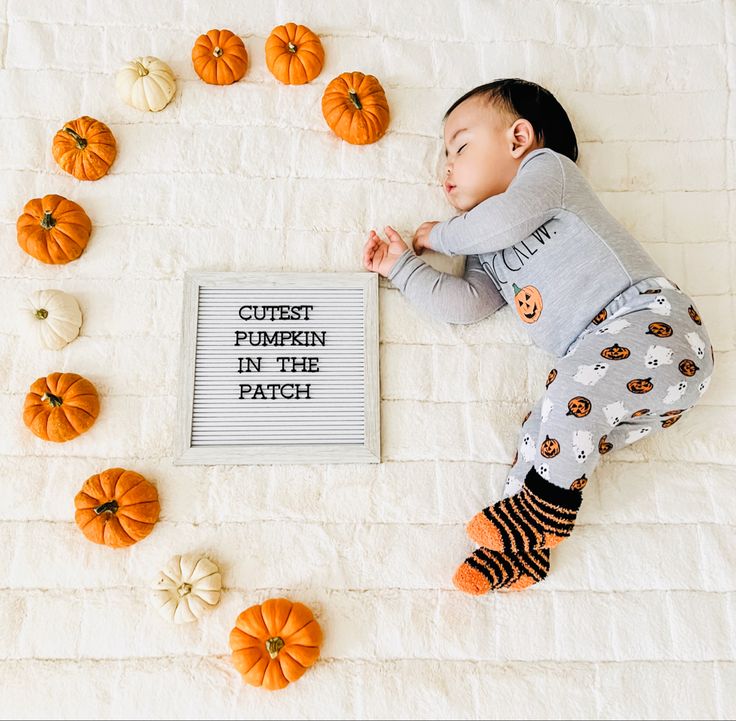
{"x":274,"y":643}
{"x":116,"y":507}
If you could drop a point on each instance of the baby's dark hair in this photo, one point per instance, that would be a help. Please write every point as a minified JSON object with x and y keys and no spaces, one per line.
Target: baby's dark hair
{"x":517,"y":98}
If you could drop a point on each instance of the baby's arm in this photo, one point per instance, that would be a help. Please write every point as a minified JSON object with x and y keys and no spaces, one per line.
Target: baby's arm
{"x":533,"y":197}
{"x":445,"y":296}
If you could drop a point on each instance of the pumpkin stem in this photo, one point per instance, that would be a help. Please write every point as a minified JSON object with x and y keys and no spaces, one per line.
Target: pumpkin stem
{"x":48,"y":221}
{"x":274,"y":645}
{"x":354,"y":97}
{"x":81,"y":142}
{"x":184,"y":590}
{"x":292,"y":47}
{"x":516,"y":289}
{"x":109,"y":507}
{"x":51,"y":398}
{"x":41,"y":314}
{"x":217,"y":51}
{"x":142,"y":69}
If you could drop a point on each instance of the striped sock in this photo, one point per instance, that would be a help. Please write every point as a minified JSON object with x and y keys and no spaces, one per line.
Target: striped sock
{"x":488,"y":570}
{"x":539,"y":516}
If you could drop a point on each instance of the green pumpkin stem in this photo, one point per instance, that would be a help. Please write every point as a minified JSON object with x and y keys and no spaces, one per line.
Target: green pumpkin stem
{"x":41,"y":314}
{"x":292,"y":47}
{"x":55,"y":401}
{"x":48,"y":221}
{"x":274,"y":645}
{"x":516,"y":289}
{"x":111,"y":506}
{"x":354,"y":97}
{"x":81,"y":142}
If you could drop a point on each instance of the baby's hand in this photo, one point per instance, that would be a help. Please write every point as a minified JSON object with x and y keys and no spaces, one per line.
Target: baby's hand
{"x":421,"y":237}
{"x":380,"y":256}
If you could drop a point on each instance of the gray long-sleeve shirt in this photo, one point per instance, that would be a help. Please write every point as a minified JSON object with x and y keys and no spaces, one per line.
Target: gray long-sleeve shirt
{"x":547,"y":246}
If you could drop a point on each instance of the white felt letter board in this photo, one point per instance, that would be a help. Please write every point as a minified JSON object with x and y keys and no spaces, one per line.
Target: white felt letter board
{"x":279,"y":368}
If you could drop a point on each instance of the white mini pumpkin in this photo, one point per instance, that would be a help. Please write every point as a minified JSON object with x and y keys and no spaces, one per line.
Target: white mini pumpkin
{"x":54,"y":315}
{"x":187,"y":588}
{"x":146,"y":83}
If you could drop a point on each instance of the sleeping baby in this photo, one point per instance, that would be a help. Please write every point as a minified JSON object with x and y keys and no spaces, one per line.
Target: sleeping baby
{"x":632,"y":355}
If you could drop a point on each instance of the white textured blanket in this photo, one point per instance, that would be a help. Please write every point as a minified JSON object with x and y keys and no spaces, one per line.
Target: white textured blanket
{"x":638,"y":617}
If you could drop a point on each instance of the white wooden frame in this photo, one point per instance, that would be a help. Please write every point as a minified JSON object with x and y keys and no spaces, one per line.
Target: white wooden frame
{"x":368,"y":452}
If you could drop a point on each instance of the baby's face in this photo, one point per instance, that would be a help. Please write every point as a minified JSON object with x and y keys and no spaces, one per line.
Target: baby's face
{"x":482,"y":152}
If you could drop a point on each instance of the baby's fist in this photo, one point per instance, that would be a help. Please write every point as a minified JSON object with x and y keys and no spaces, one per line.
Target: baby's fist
{"x":380,"y":256}
{"x":421,"y":237}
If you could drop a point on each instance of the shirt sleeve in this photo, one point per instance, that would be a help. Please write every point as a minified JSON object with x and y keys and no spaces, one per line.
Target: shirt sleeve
{"x":445,"y":296}
{"x":535,"y":195}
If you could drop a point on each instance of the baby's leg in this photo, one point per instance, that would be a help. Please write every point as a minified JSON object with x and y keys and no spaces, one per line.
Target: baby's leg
{"x":635,"y":376}
{"x":485,"y":570}
{"x":540,"y":515}
{"x":641,"y":371}
{"x":525,"y":450}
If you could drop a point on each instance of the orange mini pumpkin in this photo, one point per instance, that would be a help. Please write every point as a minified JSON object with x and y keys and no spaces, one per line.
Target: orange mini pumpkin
{"x":294,"y":54}
{"x":694,"y":315}
{"x":117,"y":507}
{"x":219,"y":57}
{"x":53,"y":229}
{"x":640,"y":385}
{"x":61,"y":406}
{"x":528,"y":303}
{"x":275,"y":642}
{"x":85,"y":148}
{"x":355,"y":108}
{"x":615,"y":352}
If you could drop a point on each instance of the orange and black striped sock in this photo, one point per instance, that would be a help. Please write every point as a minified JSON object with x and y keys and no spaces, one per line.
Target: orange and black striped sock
{"x":488,"y":570}
{"x":540,"y":515}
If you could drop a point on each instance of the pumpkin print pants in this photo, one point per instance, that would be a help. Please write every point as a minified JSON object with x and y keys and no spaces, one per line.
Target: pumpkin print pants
{"x":641,"y":364}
